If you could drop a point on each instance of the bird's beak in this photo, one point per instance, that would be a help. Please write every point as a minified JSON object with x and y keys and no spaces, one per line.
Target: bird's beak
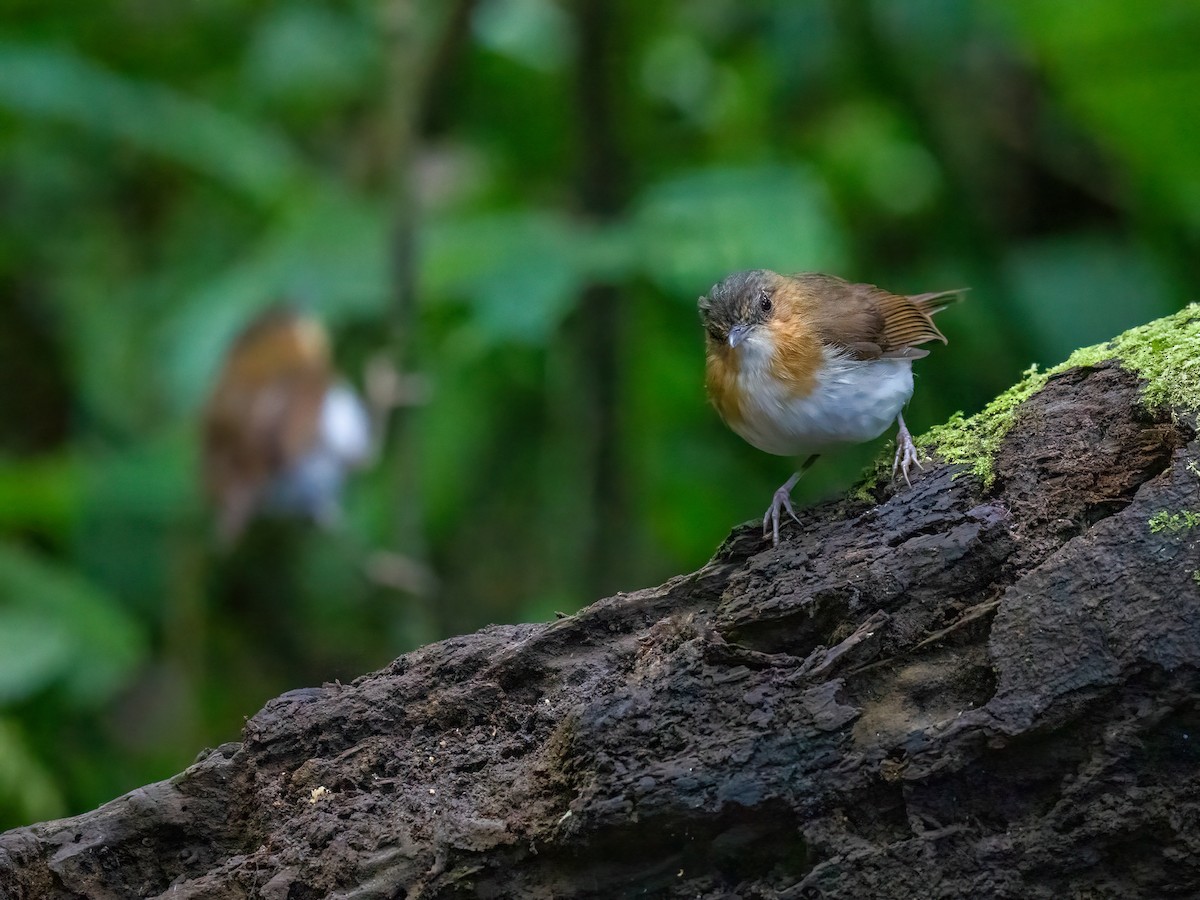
{"x":737,"y":334}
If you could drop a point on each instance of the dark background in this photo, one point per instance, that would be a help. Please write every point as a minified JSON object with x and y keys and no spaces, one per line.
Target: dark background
{"x":579,"y":173}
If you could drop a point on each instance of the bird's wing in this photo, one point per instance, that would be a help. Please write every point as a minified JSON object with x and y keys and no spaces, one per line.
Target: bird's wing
{"x":871,"y":323}
{"x":280,"y":417}
{"x":254,"y":431}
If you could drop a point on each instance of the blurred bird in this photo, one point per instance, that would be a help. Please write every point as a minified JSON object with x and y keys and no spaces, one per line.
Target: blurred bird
{"x":798,"y":364}
{"x":280,"y":429}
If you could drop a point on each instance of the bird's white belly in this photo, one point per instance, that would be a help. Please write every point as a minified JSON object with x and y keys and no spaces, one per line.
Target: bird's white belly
{"x":345,"y":426}
{"x":854,"y":401}
{"x":312,"y":485}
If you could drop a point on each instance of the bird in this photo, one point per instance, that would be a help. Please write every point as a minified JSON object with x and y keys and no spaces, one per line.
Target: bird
{"x":799,"y":364}
{"x":280,"y":429}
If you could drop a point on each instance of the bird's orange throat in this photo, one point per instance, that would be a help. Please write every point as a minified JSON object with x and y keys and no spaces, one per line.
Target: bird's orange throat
{"x":796,"y":355}
{"x":787,"y":355}
{"x":721,"y":380}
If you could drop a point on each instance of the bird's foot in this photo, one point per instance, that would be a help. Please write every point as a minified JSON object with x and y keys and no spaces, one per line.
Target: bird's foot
{"x":906,"y":454}
{"x":782,"y":501}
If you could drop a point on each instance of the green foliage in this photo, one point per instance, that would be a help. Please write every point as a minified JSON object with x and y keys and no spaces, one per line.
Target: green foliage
{"x":59,"y":628}
{"x":1165,"y":520}
{"x":65,"y":648}
{"x":62,"y":87}
{"x":168,"y":170}
{"x":27,"y":790}
{"x":43,"y":493}
{"x":694,"y":229}
{"x":1130,"y":80}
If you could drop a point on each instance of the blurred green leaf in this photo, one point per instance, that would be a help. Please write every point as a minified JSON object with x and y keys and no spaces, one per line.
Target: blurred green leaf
{"x":104,"y":643}
{"x":872,"y":151}
{"x":61,"y":86}
{"x":678,"y":69}
{"x":27,"y":792}
{"x":693,"y":229}
{"x":42,"y":493}
{"x":518,"y":273}
{"x":1132,"y":78}
{"x":33,"y":653}
{"x":1081,"y":290}
{"x":151,"y":480}
{"x":455,"y":430}
{"x":309,"y":54}
{"x":533,"y":32}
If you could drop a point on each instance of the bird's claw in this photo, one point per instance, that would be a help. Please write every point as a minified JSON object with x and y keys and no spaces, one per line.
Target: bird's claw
{"x":781,"y":501}
{"x":906,"y":456}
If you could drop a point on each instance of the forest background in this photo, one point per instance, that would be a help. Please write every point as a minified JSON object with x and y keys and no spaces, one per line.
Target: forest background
{"x":519,"y":201}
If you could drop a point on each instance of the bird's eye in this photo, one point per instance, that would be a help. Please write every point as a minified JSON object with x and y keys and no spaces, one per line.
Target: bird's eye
{"x":764,"y":301}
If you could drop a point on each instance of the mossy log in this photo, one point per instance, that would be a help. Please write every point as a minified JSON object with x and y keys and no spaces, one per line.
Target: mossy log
{"x":985,"y":685}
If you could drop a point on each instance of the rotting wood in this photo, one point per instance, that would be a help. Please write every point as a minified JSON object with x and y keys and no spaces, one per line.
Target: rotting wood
{"x":1000,"y":700}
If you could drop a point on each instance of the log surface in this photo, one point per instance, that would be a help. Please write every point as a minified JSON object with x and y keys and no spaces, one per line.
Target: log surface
{"x":957,"y":691}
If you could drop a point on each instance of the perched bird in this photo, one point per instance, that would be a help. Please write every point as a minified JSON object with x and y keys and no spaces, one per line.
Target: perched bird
{"x":280,"y":430}
{"x":799,"y":364}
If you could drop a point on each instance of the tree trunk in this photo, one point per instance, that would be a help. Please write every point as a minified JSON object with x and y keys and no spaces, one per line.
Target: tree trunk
{"x":958,"y":691}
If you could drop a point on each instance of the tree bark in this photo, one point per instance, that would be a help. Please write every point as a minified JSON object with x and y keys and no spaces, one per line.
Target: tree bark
{"x":956,"y":691}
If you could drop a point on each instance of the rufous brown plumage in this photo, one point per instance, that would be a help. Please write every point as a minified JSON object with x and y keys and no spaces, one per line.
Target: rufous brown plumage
{"x":799,"y":364}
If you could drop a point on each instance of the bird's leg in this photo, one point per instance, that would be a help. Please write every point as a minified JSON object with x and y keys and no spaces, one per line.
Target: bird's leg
{"x":906,"y":452}
{"x":783,"y":501}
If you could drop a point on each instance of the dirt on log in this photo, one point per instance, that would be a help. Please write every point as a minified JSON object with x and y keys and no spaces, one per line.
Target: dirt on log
{"x":959,"y":690}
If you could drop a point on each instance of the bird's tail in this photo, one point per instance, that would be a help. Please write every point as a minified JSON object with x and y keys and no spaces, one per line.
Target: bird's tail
{"x":935,"y":302}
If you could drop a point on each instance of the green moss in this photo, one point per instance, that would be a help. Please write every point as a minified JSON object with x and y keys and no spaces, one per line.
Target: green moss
{"x":872,"y":476}
{"x":1165,"y":520}
{"x":1196,"y":575}
{"x":1165,"y":353}
{"x":974,"y":441}
{"x":864,"y":491}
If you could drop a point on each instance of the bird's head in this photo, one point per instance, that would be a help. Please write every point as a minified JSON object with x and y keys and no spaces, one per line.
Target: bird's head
{"x":738,"y":309}
{"x":280,"y":341}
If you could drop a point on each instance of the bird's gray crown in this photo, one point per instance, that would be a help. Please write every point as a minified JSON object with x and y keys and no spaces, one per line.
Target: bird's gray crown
{"x":736,"y":300}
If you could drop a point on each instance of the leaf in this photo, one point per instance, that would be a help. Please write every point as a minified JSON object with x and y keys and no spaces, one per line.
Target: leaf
{"x":33,"y":653}
{"x":62,"y":86}
{"x":518,"y":273}
{"x":150,"y":481}
{"x":310,"y":54}
{"x":1076,"y":290}
{"x":534,"y":32}
{"x":1133,"y":79}
{"x":41,"y":493}
{"x":104,"y":643}
{"x":692,"y":230}
{"x":27,"y":791}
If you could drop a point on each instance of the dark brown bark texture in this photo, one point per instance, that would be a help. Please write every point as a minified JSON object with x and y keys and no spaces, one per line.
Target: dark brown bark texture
{"x":958,"y":691}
